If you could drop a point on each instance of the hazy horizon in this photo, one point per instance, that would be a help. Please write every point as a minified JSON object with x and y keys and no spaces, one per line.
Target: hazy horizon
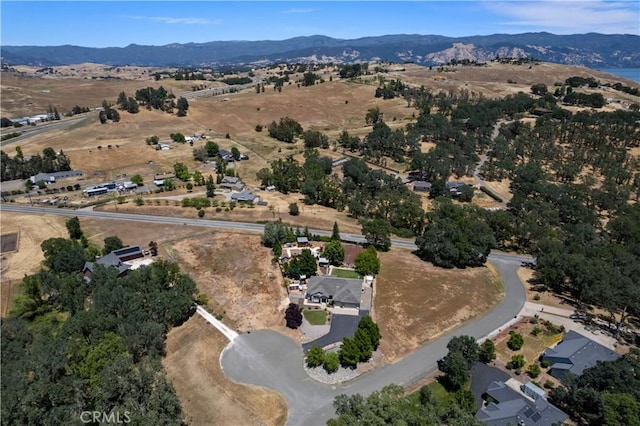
{"x":159,"y":23}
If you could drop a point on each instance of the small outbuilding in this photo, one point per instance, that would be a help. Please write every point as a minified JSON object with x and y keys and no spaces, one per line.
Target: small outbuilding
{"x":421,"y":186}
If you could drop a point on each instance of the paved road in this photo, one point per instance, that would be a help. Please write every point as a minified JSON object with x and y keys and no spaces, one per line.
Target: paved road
{"x":29,"y":131}
{"x":270,"y":359}
{"x":222,"y":224}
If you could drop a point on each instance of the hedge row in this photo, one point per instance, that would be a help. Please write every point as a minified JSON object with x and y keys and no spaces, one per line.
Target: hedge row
{"x":491,"y":194}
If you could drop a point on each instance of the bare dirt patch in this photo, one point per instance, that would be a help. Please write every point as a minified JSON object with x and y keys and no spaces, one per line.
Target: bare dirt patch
{"x":539,"y":295}
{"x":416,"y":301}
{"x":206,"y":394}
{"x":236,"y":273}
{"x":33,"y":231}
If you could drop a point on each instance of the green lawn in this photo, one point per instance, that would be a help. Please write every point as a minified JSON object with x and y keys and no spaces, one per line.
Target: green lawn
{"x":345,"y":273}
{"x":315,"y":317}
{"x":438,"y":392}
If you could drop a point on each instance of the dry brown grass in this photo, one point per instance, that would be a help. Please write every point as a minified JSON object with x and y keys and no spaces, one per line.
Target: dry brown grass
{"x":416,"y":301}
{"x":492,"y":80}
{"x":29,"y":94}
{"x":537,"y":295}
{"x":246,"y":289}
{"x":33,"y":230}
{"x":207,"y":396}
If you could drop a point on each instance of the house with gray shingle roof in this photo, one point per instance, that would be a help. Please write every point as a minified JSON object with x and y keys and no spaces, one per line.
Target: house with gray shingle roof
{"x":340,"y":292}
{"x":115,"y":259}
{"x":231,"y":183}
{"x":576,"y":353}
{"x":513,"y":408}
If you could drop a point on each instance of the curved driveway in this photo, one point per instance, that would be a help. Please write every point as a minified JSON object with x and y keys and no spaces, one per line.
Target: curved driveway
{"x":267,"y":358}
{"x":270,"y":359}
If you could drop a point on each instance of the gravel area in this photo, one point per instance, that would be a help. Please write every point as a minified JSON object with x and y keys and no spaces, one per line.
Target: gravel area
{"x":342,"y":375}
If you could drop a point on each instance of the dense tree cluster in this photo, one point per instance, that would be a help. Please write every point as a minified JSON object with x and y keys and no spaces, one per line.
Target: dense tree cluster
{"x":390,"y":406}
{"x":236,"y":80}
{"x":154,"y":98}
{"x":286,"y":130}
{"x":304,"y":264}
{"x":315,"y":139}
{"x":352,"y":70}
{"x":20,"y":167}
{"x":108,"y":113}
{"x":128,"y":104}
{"x":572,"y":181}
{"x":456,"y":365}
{"x":374,"y":194}
{"x":70,"y":346}
{"x":390,"y":89}
{"x":455,"y":236}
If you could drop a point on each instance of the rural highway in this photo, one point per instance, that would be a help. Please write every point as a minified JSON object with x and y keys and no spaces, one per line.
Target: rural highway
{"x":38,"y":129}
{"x":270,"y":359}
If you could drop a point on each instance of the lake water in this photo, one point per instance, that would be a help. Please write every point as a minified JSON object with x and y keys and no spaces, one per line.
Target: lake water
{"x":630,"y":73}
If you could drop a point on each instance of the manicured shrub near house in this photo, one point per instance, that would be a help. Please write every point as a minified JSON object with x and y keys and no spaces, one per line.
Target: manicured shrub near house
{"x":293,"y":316}
{"x":533,"y":371}
{"x":361,"y":346}
{"x":315,"y":357}
{"x":487,"y":351}
{"x":515,"y":341}
{"x":516,"y":363}
{"x":331,"y":362}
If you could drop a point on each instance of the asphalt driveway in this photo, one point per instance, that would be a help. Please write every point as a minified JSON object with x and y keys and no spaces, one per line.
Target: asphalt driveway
{"x":341,"y":326}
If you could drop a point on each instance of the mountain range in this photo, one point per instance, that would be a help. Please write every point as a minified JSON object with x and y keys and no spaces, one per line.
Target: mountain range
{"x":591,"y":50}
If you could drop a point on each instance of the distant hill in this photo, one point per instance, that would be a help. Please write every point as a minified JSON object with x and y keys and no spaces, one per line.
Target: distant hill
{"x":591,"y":50}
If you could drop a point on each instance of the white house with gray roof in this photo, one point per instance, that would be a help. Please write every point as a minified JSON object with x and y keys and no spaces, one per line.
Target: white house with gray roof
{"x":576,"y":353}
{"x":339,"y":292}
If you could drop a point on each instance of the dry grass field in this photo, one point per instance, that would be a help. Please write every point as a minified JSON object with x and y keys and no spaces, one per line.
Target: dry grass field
{"x":492,"y":80}
{"x":416,"y":302}
{"x":207,"y":396}
{"x":247,"y":290}
{"x":32,"y":231}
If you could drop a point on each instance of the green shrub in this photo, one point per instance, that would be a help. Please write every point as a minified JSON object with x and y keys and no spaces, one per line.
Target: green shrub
{"x":331,"y":362}
{"x":200,"y":213}
{"x":536,"y":331}
{"x":549,"y":384}
{"x":536,"y":297}
{"x":315,"y":357}
{"x":533,"y":371}
{"x":515,"y":341}
{"x":516,"y":363}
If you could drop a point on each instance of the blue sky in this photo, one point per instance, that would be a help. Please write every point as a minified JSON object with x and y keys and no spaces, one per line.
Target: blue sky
{"x":120,"y":23}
